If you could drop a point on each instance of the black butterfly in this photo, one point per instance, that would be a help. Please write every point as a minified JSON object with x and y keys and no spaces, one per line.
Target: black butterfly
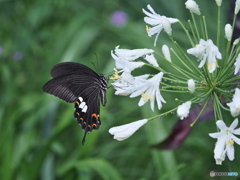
{"x":76,"y":83}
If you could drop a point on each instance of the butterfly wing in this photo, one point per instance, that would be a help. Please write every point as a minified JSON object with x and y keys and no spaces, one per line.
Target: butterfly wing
{"x":74,"y":82}
{"x":67,"y":68}
{"x":70,"y":87}
{"x":88,"y":113}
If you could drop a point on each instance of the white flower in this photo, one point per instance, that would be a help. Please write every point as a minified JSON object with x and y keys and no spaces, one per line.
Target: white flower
{"x":158,"y":22}
{"x":183,"y":109}
{"x":166,"y":52}
{"x":228,"y":32}
{"x":132,"y":54}
{"x":122,"y":84}
{"x":191,"y":85}
{"x":151,"y":59}
{"x":219,"y":2}
{"x":127,"y":84}
{"x":235,"y":104}
{"x":237,"y":6}
{"x":237,"y":64}
{"x":139,"y":85}
{"x":122,"y":60}
{"x":125,"y":131}
{"x":166,"y":25}
{"x":206,"y":51}
{"x":149,"y":90}
{"x":192,"y":6}
{"x":225,"y":140}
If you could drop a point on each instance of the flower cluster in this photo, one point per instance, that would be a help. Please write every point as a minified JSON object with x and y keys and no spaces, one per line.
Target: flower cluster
{"x":144,"y":85}
{"x":204,"y":71}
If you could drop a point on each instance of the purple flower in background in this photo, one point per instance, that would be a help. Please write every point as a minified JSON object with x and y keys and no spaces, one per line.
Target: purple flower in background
{"x":17,"y":56}
{"x":119,"y":18}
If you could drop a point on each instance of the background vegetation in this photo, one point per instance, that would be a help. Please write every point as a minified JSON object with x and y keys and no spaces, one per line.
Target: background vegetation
{"x":40,"y":139}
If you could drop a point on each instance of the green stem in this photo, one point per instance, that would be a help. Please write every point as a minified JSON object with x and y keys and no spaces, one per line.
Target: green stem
{"x":200,"y":113}
{"x":217,"y":109}
{"x":163,"y":114}
{"x":193,"y":67}
{"x":193,"y":32}
{"x":186,"y":31}
{"x":171,"y":111}
{"x":205,"y":27}
{"x":187,"y":74}
{"x":218,"y":26}
{"x":195,"y":25}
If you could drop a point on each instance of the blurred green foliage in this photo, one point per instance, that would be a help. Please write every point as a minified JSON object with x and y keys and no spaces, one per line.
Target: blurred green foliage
{"x":40,"y":139}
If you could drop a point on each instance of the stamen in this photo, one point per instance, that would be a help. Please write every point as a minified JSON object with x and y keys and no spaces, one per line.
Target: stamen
{"x":230,"y":142}
{"x":148,"y":28}
{"x":115,"y":76}
{"x":146,"y":96}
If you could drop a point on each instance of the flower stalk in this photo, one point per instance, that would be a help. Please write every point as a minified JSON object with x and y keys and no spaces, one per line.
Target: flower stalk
{"x":200,"y":113}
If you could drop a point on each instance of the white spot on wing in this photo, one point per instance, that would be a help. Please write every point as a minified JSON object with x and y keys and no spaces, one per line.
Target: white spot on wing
{"x":85,"y":108}
{"x":82,"y":105}
{"x":80,"y":99}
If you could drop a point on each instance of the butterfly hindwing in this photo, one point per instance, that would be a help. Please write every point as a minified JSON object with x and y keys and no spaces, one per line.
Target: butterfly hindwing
{"x":89,"y":119}
{"x":78,"y":84}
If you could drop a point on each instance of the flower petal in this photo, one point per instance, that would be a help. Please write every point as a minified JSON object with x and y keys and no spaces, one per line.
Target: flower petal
{"x":230,"y":152}
{"x":219,"y":147}
{"x":234,"y":124}
{"x":235,"y":104}
{"x":221,"y":125}
{"x":236,"y":140}
{"x":151,"y":59}
{"x":132,"y":54}
{"x":236,"y":131}
{"x":215,"y":135}
{"x":237,"y":65}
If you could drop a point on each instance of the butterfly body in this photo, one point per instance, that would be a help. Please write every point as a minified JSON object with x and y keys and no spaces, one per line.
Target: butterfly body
{"x":78,"y":84}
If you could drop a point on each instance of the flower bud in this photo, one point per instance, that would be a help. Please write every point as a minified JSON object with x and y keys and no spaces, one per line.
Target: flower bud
{"x":228,"y":32}
{"x":183,"y":109}
{"x":192,"y":6}
{"x":166,"y":52}
{"x":191,"y":85}
{"x":125,"y":131}
{"x":219,"y":2}
{"x":237,"y":6}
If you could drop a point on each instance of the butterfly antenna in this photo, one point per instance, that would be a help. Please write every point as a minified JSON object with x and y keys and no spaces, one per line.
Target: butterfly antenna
{"x":84,"y":138}
{"x":97,"y":62}
{"x":96,"y":67}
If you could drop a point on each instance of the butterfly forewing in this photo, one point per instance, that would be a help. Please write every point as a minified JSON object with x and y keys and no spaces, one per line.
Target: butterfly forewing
{"x":67,"y":68}
{"x":76,"y":83}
